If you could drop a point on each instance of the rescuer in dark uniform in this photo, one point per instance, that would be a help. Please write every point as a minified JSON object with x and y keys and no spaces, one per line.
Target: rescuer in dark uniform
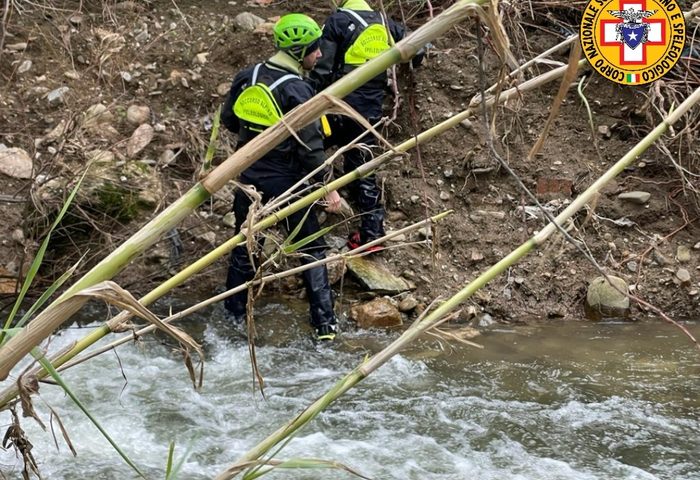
{"x":259,"y":97}
{"x":353,"y":35}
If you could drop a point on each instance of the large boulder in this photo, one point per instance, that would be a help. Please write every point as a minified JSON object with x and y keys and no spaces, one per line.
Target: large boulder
{"x":607,"y":300}
{"x":380,"y":312}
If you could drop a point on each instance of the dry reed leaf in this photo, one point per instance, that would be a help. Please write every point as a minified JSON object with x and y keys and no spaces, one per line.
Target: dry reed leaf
{"x":569,"y":76}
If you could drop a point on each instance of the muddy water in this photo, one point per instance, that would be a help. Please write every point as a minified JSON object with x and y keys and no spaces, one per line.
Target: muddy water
{"x":564,"y":401}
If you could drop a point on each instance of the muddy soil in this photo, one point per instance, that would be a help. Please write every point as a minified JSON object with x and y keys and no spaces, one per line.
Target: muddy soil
{"x":177,"y":58}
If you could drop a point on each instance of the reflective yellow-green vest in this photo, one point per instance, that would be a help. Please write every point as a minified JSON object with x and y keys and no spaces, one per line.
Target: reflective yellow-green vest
{"x":257,"y":104}
{"x":370,"y":40}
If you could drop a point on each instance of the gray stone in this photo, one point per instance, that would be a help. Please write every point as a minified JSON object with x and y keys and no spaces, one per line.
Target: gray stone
{"x":683,"y":254}
{"x":683,"y":276}
{"x":15,"y":162}
{"x":380,"y":312}
{"x":400,"y":238}
{"x":96,"y":114}
{"x":604,"y":131}
{"x":485,"y":320}
{"x":229,"y":220}
{"x":25,"y":66}
{"x":374,"y":276}
{"x":608,"y":300}
{"x":57,"y":96}
{"x":201,"y":58}
{"x":100,"y":156}
{"x":414,"y":198}
{"x":696,"y":246}
{"x":408,"y":304}
{"x":138,"y":114}
{"x":222,"y":89}
{"x":639,"y":198}
{"x":444,"y":196}
{"x":139,"y":140}
{"x":247,"y":21}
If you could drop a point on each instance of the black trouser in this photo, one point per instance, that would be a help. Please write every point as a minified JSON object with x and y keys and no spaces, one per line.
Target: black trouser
{"x":318,"y":289}
{"x":365,"y":191}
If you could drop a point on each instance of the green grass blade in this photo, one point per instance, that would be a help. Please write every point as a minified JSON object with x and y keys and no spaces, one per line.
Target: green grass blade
{"x":169,"y":465}
{"x":59,"y":380}
{"x":304,"y":241}
{"x":292,"y":235}
{"x":34,"y":268}
{"x":47,"y":294}
{"x":305,"y":464}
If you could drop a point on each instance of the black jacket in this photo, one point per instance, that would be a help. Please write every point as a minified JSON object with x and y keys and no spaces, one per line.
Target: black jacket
{"x":338,"y":33}
{"x":290,"y":159}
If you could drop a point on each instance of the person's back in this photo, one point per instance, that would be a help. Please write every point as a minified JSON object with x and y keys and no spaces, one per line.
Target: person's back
{"x":352,"y":35}
{"x":260,"y":95}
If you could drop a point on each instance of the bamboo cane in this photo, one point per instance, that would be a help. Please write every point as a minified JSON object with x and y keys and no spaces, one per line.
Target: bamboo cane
{"x":366,"y":368}
{"x":11,"y":392}
{"x":40,"y":328}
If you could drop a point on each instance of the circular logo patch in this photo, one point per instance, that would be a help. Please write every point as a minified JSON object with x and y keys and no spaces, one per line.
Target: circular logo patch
{"x":632,"y":42}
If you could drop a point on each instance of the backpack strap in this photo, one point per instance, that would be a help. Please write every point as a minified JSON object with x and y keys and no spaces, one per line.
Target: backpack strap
{"x":363,"y":23}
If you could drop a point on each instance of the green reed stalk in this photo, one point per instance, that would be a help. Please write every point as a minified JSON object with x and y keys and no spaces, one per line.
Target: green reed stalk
{"x":43,"y":325}
{"x":367,"y":367}
{"x":97,"y":334}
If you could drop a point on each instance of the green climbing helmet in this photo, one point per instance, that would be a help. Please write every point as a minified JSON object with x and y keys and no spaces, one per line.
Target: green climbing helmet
{"x":295,"y":32}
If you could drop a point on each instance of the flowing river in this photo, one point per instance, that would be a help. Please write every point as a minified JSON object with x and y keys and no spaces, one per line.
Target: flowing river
{"x":575,"y":400}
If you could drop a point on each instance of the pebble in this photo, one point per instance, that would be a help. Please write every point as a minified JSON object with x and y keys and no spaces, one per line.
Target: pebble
{"x":632,"y":266}
{"x":683,"y":254}
{"x":640,"y":198}
{"x":444,"y":196}
{"x":414,"y":198}
{"x":25,"y":66}
{"x":683,"y":275}
{"x":604,"y":131}
{"x":696,"y":246}
{"x":56,"y":96}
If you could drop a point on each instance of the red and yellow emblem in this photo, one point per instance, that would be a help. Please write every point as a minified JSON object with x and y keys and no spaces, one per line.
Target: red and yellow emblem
{"x":632,"y":42}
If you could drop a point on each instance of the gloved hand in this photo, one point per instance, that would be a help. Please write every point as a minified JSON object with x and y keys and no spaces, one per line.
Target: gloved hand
{"x":417,"y":60}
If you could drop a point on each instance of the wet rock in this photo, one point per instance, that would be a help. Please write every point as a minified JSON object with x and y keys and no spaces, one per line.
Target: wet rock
{"x":464,"y":333}
{"x":638,"y":198}
{"x":683,"y":276}
{"x":683,"y":254}
{"x":485,"y":320}
{"x":380,"y":312}
{"x":408,"y":304}
{"x":16,"y":163}
{"x":247,"y":21}
{"x":57,"y":96}
{"x":374,"y":276}
{"x":607,"y":300}
{"x":139,"y":140}
{"x":138,"y":114}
